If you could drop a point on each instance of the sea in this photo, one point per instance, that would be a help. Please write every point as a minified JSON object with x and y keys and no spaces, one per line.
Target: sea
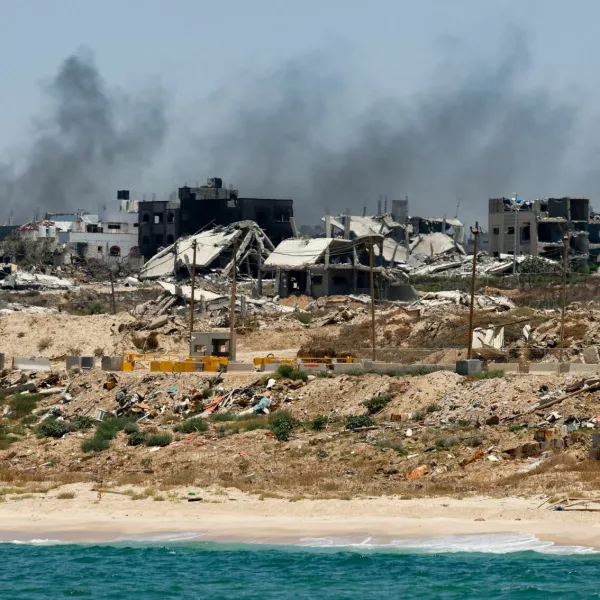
{"x":174,"y":566}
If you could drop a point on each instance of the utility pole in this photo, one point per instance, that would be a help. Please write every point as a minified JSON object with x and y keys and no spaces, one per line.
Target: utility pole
{"x":372,"y":302}
{"x":475,"y":233}
{"x":112,"y":292}
{"x":193,"y":299}
{"x":564,"y":294}
{"x":516,"y":249}
{"x":232,"y":344}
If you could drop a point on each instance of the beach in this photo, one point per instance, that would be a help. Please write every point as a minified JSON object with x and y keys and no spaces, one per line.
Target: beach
{"x":230,"y":515}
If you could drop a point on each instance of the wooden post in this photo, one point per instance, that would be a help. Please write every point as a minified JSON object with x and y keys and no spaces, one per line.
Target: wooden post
{"x":564,"y":294}
{"x":475,"y":233}
{"x":193,"y":299}
{"x":232,"y":349}
{"x":372,"y":301}
{"x":112,"y":292}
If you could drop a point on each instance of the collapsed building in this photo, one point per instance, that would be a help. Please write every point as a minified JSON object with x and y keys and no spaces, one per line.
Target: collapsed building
{"x":537,"y":228}
{"x":214,"y":253}
{"x":333,"y":266}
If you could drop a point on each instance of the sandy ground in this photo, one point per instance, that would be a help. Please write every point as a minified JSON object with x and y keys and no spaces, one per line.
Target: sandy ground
{"x":226,"y":514}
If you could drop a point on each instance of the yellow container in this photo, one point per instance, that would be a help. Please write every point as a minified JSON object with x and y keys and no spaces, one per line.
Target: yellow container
{"x":184,"y":366}
{"x":127,"y":366}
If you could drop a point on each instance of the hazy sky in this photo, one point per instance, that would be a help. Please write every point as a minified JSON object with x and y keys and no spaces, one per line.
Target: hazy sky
{"x":210,"y":58}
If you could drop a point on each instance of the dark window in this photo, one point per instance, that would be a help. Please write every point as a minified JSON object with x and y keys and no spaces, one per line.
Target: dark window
{"x":317,"y":279}
{"x":145,"y":240}
{"x":136,"y":224}
{"x":496,"y":230}
{"x":339,"y":280}
{"x":171,"y":218}
{"x":100,"y":250}
{"x":115,"y":251}
{"x":170,"y":239}
{"x":511,"y":231}
{"x":158,"y":240}
{"x":158,"y":218}
{"x":525,"y":233}
{"x":146,"y":218}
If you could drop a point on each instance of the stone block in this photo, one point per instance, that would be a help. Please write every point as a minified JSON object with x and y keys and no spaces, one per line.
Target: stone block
{"x":469,"y":367}
{"x":31,"y":364}
{"x":235,"y":367}
{"x":112,"y":363}
{"x":591,"y":356}
{"x":1,"y":361}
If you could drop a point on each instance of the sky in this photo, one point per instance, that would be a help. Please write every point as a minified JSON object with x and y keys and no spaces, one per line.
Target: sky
{"x":334,"y":103}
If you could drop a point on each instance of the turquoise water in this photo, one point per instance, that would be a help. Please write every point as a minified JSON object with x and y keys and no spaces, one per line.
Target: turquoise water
{"x":197,"y":570}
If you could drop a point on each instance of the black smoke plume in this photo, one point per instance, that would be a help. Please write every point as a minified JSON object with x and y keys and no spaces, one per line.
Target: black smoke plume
{"x":478,"y":129}
{"x":92,"y":141}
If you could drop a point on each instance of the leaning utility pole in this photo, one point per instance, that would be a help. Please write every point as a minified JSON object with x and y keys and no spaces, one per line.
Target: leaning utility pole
{"x":475,"y":233}
{"x":372,"y":302}
{"x":232,"y":349}
{"x":517,"y":233}
{"x":564,"y":294}
{"x":193,"y":299}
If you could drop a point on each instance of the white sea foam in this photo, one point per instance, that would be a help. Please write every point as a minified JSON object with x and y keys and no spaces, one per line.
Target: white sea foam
{"x":497,"y":543}
{"x":35,"y":542}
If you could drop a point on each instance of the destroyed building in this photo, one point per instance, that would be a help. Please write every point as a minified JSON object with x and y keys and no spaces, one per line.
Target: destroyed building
{"x":212,"y":204}
{"x":158,"y":225}
{"x":540,"y":227}
{"x":333,"y":266}
{"x":214,"y":253}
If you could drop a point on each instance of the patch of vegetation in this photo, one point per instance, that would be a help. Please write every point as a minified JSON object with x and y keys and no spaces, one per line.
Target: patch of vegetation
{"x":95,"y":444}
{"x":44,"y":344}
{"x":418,"y":415}
{"x":74,"y":351}
{"x":464,"y":423}
{"x":443,"y":443}
{"x":66,"y":496}
{"x":376,"y":403}
{"x":228,"y":417}
{"x":192,"y":425}
{"x":324,"y":374}
{"x":475,"y":441}
{"x":431,"y":408}
{"x":109,"y":428}
{"x":159,"y":439}
{"x":304,"y":317}
{"x":94,"y":308}
{"x":99,"y":352}
{"x":319,"y":423}
{"x":130,"y":428}
{"x":492,"y":374}
{"x":517,"y":427}
{"x":137,"y":438}
{"x":356,"y":422}
{"x":289,"y":372}
{"x":281,"y":423}
{"x":22,"y":405}
{"x":82,"y":423}
{"x":391,"y":444}
{"x":52,"y":428}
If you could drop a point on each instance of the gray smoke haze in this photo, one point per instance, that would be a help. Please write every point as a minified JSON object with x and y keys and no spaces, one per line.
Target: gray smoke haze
{"x":477,"y":130}
{"x":92,"y":141}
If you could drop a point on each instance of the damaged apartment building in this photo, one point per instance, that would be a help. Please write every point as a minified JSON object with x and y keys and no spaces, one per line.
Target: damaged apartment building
{"x":541,"y":226}
{"x":207,"y":206}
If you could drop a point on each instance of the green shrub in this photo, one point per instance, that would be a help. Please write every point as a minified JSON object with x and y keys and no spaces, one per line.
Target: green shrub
{"x":94,"y":308}
{"x":44,"y":344}
{"x":493,"y":374}
{"x":319,"y":423}
{"x":431,"y":408}
{"x":444,"y":443}
{"x":475,"y":441}
{"x":109,"y":428}
{"x":21,"y":405}
{"x":228,"y":417}
{"x":99,"y":352}
{"x":52,"y":428}
{"x":376,"y":403}
{"x":137,"y":438}
{"x":289,"y":372}
{"x":418,"y":416}
{"x":356,"y":422}
{"x":95,"y":444}
{"x":192,"y":425}
{"x":82,"y":422}
{"x":130,"y":428}
{"x":159,"y":439}
{"x":281,"y":424}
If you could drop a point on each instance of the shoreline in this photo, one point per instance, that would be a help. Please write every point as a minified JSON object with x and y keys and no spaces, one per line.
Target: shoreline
{"x":230,"y":516}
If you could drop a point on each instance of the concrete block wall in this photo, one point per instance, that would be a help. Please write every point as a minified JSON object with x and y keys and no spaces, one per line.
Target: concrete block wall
{"x":80,"y":362}
{"x":22,"y":363}
{"x":1,"y":361}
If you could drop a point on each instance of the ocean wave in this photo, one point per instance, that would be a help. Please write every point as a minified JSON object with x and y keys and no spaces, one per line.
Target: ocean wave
{"x":497,"y":543}
{"x":160,"y":538}
{"x":35,"y":542}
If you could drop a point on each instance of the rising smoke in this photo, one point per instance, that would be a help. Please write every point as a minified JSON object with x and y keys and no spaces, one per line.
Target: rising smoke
{"x":477,"y":130}
{"x":92,"y":141}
